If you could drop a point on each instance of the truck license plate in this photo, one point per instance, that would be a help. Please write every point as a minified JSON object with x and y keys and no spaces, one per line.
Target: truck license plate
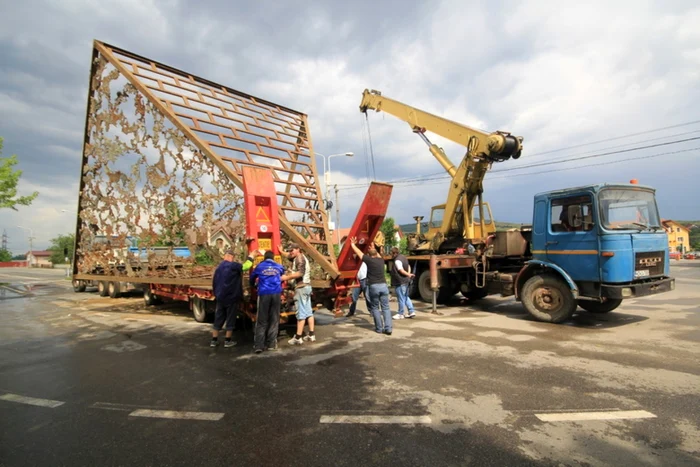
{"x":266,"y":244}
{"x":642,"y":273}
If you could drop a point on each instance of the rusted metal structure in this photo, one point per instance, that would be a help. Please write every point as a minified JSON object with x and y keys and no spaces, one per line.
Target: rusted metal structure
{"x":166,"y":158}
{"x":184,"y":130}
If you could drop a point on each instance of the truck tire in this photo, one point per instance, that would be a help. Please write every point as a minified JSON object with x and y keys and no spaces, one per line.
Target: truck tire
{"x":426,"y":293}
{"x":102,"y":289}
{"x":201,"y":309}
{"x":149,"y":298}
{"x":606,"y":306}
{"x":413,"y":291}
{"x":424,"y":290}
{"x":548,"y":298}
{"x":78,"y":286}
{"x":114,"y":289}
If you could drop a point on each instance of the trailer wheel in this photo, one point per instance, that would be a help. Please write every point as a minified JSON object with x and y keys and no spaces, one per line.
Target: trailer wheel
{"x":201,"y":309}
{"x":114,"y":289}
{"x":78,"y":286}
{"x":102,"y":289}
{"x":547,"y":298}
{"x":149,"y":298}
{"x":606,"y":306}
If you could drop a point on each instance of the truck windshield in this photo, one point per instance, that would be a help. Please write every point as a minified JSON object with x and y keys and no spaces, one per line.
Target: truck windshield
{"x":623,"y":209}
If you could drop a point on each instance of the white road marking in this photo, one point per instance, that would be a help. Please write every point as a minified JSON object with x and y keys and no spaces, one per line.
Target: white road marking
{"x":584,"y":416}
{"x":172,"y":414}
{"x":116,"y":406}
{"x":31,"y":400}
{"x":377,"y":419}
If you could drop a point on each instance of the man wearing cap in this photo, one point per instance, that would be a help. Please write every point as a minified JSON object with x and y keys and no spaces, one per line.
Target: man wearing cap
{"x":301,"y":277}
{"x":268,"y":275}
{"x":228,"y":290}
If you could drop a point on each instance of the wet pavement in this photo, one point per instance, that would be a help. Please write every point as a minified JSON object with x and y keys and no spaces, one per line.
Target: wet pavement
{"x":92,"y":380}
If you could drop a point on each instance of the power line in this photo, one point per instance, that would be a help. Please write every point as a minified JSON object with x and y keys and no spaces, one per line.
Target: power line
{"x":537,"y":154}
{"x":440,"y":179}
{"x":561,"y":161}
{"x":617,"y":161}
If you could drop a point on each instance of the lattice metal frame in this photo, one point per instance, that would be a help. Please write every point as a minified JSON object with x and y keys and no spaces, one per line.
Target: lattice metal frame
{"x":234,"y":129}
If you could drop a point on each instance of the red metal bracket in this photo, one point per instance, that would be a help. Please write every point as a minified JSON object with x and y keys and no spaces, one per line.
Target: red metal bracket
{"x":367,"y":223}
{"x":262,"y":221}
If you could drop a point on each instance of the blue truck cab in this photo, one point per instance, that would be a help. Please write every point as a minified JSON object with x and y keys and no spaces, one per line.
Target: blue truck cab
{"x":592,"y":247}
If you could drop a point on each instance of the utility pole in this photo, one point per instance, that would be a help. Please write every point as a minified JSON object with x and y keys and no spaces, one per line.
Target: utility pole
{"x":337,"y":215}
{"x":4,"y":239}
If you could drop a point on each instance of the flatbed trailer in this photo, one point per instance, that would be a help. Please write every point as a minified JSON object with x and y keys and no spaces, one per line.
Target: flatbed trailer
{"x":170,"y":158}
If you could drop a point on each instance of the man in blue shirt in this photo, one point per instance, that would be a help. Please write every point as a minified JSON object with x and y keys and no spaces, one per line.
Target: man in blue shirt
{"x":268,"y":275}
{"x":228,"y":290}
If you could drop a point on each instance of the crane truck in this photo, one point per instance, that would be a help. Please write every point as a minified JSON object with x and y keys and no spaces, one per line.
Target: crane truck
{"x":589,"y":246}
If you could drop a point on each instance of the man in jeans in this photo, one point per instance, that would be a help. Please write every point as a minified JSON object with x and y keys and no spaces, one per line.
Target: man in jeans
{"x":268,"y":275}
{"x":362,"y":279}
{"x":301,"y":277}
{"x":376,"y":285}
{"x":228,"y":290}
{"x":400,"y":278}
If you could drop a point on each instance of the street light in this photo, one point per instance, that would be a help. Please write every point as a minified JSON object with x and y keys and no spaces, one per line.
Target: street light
{"x":31,"y":237}
{"x":326,"y":177}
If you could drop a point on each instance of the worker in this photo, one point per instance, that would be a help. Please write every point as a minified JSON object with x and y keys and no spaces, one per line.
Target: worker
{"x":228,"y":290}
{"x":301,"y":277}
{"x":269,"y":282}
{"x":362,"y":280}
{"x":376,"y":286}
{"x":399,"y":271}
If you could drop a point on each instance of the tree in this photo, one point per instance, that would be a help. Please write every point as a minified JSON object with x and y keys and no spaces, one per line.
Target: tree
{"x":388,"y":228}
{"x":19,"y":257}
{"x":8,"y":184}
{"x":172,"y":233}
{"x":5,"y":255}
{"x":58,"y":247}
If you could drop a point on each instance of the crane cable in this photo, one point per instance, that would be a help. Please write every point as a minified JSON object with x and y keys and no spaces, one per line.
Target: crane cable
{"x":371,"y":149}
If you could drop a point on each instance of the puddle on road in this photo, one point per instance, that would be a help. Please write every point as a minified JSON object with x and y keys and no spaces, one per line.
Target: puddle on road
{"x":10,"y":290}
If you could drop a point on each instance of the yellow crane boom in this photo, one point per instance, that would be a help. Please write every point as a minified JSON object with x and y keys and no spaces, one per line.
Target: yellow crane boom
{"x":467,"y":179}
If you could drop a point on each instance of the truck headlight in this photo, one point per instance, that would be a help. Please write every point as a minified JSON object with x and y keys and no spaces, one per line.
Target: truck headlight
{"x":626,"y":292}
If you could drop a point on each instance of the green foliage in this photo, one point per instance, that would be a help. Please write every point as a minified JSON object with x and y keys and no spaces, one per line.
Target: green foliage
{"x":388,"y":228}
{"x":336,"y":250}
{"x":172,"y":233}
{"x":5,"y":255}
{"x":403,"y":246}
{"x":58,"y":247}
{"x":8,"y":184}
{"x":204,"y":258}
{"x":19,"y":257}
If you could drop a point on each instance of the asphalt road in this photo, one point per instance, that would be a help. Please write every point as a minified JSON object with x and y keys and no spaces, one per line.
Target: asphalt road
{"x":86,"y":380}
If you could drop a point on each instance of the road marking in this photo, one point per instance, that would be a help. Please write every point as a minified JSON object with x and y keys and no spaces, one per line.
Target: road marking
{"x":31,"y":400}
{"x":172,"y":414}
{"x":583,"y":416}
{"x":377,"y":419}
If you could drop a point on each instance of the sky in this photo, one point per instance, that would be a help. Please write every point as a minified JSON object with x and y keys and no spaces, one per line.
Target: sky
{"x":562,"y":75}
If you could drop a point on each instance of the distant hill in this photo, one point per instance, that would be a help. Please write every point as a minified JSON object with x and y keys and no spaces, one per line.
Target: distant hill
{"x":500,"y":226}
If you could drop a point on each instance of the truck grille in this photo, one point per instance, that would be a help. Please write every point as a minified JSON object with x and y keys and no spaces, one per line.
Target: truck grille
{"x":648,"y":264}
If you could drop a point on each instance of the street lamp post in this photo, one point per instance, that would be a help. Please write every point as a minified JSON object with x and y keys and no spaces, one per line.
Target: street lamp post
{"x":327,"y":178}
{"x":31,"y":237}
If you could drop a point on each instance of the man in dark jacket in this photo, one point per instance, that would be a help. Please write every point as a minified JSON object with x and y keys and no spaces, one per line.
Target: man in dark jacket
{"x":228,"y":290}
{"x":268,"y":275}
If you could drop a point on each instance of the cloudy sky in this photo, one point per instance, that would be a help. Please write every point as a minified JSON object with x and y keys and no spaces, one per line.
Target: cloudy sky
{"x":562,"y":75}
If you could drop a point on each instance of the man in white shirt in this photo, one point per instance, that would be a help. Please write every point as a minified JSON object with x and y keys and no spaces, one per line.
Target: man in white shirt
{"x":362,"y":278}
